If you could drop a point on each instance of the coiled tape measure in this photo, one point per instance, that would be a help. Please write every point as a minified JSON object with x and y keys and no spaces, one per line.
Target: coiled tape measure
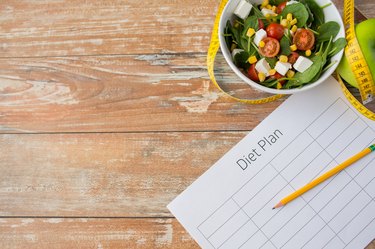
{"x":352,"y":52}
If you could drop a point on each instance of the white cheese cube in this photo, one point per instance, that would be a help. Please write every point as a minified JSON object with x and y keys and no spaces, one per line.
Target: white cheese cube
{"x":282,"y":67}
{"x":302,"y":64}
{"x":243,"y":9}
{"x":259,"y":35}
{"x":262,"y":66}
{"x":236,"y":51}
{"x":291,"y":2}
{"x":266,"y":12}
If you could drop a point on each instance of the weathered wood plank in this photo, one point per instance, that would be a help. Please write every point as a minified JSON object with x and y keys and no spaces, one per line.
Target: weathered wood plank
{"x":73,"y":27}
{"x":107,"y":175}
{"x":121,"y":93}
{"x":102,"y":233}
{"x":93,"y":233}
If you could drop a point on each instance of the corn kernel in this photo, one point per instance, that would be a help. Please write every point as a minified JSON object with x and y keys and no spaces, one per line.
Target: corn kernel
{"x":293,"y":47}
{"x":265,"y":3}
{"x":261,"y":77}
{"x":290,"y":74}
{"x":233,"y":46}
{"x":250,"y":32}
{"x":294,"y":28}
{"x":283,"y":58}
{"x":293,"y":21}
{"x":252,"y":59}
{"x":272,"y":71}
{"x":269,"y":6}
{"x":268,"y":16}
{"x":274,"y":8}
{"x":284,"y":23}
{"x":289,"y":16}
{"x":279,"y":86}
{"x":308,"y":52}
{"x":261,"y":44}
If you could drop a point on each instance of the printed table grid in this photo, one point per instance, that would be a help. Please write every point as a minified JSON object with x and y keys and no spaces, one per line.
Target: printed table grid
{"x":240,"y":221}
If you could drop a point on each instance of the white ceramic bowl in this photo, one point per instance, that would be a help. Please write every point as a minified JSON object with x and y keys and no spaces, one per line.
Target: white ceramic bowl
{"x":331,"y":14}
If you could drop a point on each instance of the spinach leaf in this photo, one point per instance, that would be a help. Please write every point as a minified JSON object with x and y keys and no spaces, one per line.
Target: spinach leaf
{"x":240,"y":59}
{"x":271,"y":83}
{"x":311,"y":16}
{"x":236,"y":32}
{"x":329,"y":65}
{"x":337,"y":46}
{"x":243,"y":42}
{"x":228,"y":34}
{"x":325,"y":53}
{"x":285,"y":46}
{"x":310,"y":73}
{"x":328,"y":30}
{"x":250,"y":22}
{"x":317,"y":12}
{"x":272,"y":61}
{"x":298,"y":10}
{"x":257,"y":12}
{"x":276,"y":2}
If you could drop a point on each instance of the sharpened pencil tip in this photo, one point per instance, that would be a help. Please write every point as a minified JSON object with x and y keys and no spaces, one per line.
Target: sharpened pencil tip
{"x":280,"y":204}
{"x":273,"y":208}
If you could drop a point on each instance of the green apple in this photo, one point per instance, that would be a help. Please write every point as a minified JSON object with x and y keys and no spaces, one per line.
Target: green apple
{"x":365,"y":32}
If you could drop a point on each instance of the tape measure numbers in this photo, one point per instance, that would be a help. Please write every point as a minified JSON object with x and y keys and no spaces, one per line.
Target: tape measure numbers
{"x":355,"y":103}
{"x":352,"y":52}
{"x":355,"y":56}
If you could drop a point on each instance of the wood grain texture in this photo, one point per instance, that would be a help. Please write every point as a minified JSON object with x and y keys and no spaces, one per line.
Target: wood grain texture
{"x":60,"y":28}
{"x":107,"y":175}
{"x":110,"y":66}
{"x":100,"y":233}
{"x":122,"y":93}
{"x":74,"y":27}
{"x":61,"y":233}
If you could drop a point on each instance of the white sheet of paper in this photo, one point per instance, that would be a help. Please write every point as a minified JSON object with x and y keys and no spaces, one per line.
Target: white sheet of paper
{"x":230,"y":205}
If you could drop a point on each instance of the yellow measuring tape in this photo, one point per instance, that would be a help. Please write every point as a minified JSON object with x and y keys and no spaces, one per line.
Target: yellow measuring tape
{"x":355,"y":57}
{"x":352,"y":52}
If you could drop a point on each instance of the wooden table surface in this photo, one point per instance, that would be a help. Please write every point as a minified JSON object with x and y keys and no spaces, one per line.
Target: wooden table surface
{"x":106,"y":114}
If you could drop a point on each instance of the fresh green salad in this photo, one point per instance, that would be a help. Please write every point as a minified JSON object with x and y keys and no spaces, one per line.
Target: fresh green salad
{"x":282,"y":44}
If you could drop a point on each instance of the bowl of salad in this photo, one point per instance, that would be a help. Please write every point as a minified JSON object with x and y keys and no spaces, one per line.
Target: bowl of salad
{"x":282,"y":46}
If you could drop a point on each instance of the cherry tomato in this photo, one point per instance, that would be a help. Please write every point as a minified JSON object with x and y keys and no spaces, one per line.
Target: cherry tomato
{"x":292,"y":58}
{"x":280,"y":7}
{"x":252,"y":72}
{"x":278,"y":76}
{"x":260,"y":24}
{"x":275,"y":30}
{"x":304,"y":39}
{"x":271,"y":47}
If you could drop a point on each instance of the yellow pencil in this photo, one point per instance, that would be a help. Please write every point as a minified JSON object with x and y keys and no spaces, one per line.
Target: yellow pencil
{"x":325,"y":176}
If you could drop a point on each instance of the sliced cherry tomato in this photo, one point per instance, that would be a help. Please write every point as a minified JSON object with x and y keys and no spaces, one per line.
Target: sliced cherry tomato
{"x":292,"y":58}
{"x":280,"y":7}
{"x":304,"y":39}
{"x":275,"y":30}
{"x":271,"y":47}
{"x":260,"y":24}
{"x":252,"y":72}
{"x":278,"y":76}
